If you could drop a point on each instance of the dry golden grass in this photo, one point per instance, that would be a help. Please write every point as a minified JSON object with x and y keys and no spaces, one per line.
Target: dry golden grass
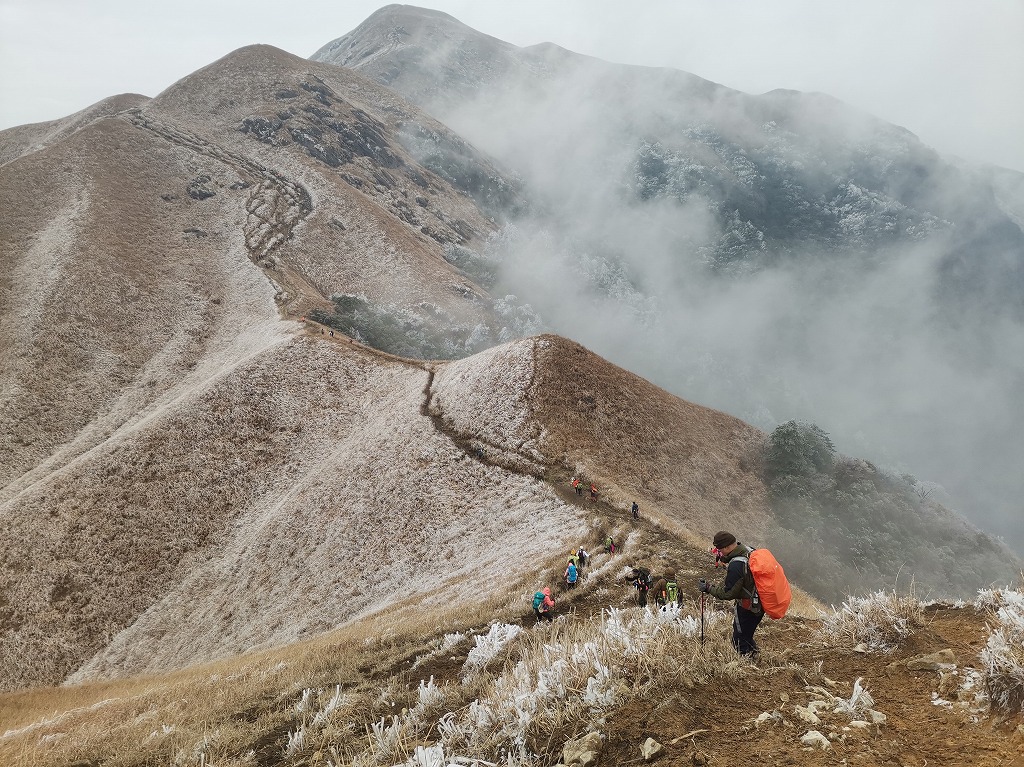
{"x":244,"y":699}
{"x":358,"y":695}
{"x":692,"y":466}
{"x":247,"y":699}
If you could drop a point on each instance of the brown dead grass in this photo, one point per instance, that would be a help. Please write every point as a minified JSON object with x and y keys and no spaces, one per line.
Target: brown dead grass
{"x":224,"y":710}
{"x":693,"y":467}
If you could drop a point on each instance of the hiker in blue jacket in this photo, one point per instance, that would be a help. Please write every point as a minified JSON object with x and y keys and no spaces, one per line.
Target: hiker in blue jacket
{"x":571,"y":575}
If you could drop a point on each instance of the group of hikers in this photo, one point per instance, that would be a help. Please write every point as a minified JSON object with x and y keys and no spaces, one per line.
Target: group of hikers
{"x":738,"y":586}
{"x":577,"y":485}
{"x":578,"y":559}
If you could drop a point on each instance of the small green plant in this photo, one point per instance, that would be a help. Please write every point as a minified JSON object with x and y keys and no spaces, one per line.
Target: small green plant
{"x":431,"y":334}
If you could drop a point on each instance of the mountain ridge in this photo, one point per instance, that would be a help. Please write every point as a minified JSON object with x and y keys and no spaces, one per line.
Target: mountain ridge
{"x":654,"y":191}
{"x":185,"y":446}
{"x":232,"y":533}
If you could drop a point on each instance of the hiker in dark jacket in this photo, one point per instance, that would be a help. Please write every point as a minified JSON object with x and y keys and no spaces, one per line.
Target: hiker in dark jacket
{"x":739,"y":587}
{"x":641,"y":580}
{"x":584,"y":557}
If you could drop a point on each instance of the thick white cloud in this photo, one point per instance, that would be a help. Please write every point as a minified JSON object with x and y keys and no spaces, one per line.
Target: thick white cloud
{"x":951,"y":71}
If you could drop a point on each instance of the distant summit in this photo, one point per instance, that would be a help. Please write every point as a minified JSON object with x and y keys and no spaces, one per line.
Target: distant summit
{"x":778,"y":256}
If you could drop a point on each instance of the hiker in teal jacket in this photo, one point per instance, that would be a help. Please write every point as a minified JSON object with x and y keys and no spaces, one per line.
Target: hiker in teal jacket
{"x":739,"y":587}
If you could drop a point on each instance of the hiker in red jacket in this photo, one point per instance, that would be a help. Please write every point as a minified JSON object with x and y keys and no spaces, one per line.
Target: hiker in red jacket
{"x":739,"y":586}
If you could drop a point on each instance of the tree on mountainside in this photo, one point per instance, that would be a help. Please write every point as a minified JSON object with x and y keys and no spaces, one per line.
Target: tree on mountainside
{"x":798,"y":449}
{"x":845,"y":527}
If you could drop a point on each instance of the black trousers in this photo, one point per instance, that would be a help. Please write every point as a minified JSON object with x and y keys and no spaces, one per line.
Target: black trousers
{"x":744,"y":625}
{"x":543,"y":616}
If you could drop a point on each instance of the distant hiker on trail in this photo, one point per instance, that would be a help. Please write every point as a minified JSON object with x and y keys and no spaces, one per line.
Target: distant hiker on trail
{"x":577,"y":486}
{"x":636,"y":511}
{"x":609,"y":545}
{"x":593,"y":491}
{"x":571,"y":575}
{"x":738,"y":586}
{"x":642,"y":583}
{"x":574,"y":558}
{"x":584,"y":557}
{"x":543,"y":604}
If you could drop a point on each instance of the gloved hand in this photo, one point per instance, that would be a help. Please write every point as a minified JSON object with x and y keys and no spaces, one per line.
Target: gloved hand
{"x":704,"y":586}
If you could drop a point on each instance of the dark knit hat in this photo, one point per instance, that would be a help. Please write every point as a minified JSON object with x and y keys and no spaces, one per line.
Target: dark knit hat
{"x":723,"y":539}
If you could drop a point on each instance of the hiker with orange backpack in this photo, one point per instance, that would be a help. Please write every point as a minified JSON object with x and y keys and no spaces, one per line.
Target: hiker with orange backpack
{"x":741,"y":585}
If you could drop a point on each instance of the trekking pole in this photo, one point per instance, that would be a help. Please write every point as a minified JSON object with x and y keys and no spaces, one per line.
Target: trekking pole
{"x":702,"y":620}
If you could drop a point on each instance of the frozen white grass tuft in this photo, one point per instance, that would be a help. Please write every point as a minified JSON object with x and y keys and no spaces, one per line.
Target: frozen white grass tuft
{"x":1002,"y":657}
{"x":879,"y":621}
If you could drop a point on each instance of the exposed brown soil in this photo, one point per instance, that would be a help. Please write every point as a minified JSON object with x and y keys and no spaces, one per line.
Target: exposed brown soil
{"x":916,"y":732}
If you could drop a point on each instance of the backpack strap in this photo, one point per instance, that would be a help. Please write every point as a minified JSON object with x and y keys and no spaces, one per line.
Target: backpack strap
{"x":751,"y":593}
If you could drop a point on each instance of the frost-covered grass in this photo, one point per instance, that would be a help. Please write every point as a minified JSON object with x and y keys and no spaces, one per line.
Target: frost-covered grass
{"x":878,"y":621}
{"x":1003,"y":655}
{"x":556,"y":681}
{"x":518,"y":695}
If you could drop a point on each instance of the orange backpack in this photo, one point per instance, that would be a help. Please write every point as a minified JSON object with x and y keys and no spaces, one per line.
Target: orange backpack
{"x":770,"y":581}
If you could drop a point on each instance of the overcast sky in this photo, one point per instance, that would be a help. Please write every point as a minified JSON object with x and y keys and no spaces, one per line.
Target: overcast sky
{"x":951,"y":71}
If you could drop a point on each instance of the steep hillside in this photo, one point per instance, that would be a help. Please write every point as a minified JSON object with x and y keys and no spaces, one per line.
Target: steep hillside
{"x":186,"y":476}
{"x":25,"y":139}
{"x":698,"y":468}
{"x":149,"y":251}
{"x":313,"y":482}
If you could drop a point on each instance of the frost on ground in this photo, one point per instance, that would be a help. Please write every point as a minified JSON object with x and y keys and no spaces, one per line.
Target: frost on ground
{"x":488,"y":646}
{"x":564,"y":675}
{"x":341,"y":518}
{"x":878,"y":622}
{"x":487,"y":396}
{"x":572,"y":679}
{"x":1002,"y":657}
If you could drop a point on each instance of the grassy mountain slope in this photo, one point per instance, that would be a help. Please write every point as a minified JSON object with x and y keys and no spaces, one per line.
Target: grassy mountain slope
{"x":477,"y":680}
{"x":189,"y":473}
